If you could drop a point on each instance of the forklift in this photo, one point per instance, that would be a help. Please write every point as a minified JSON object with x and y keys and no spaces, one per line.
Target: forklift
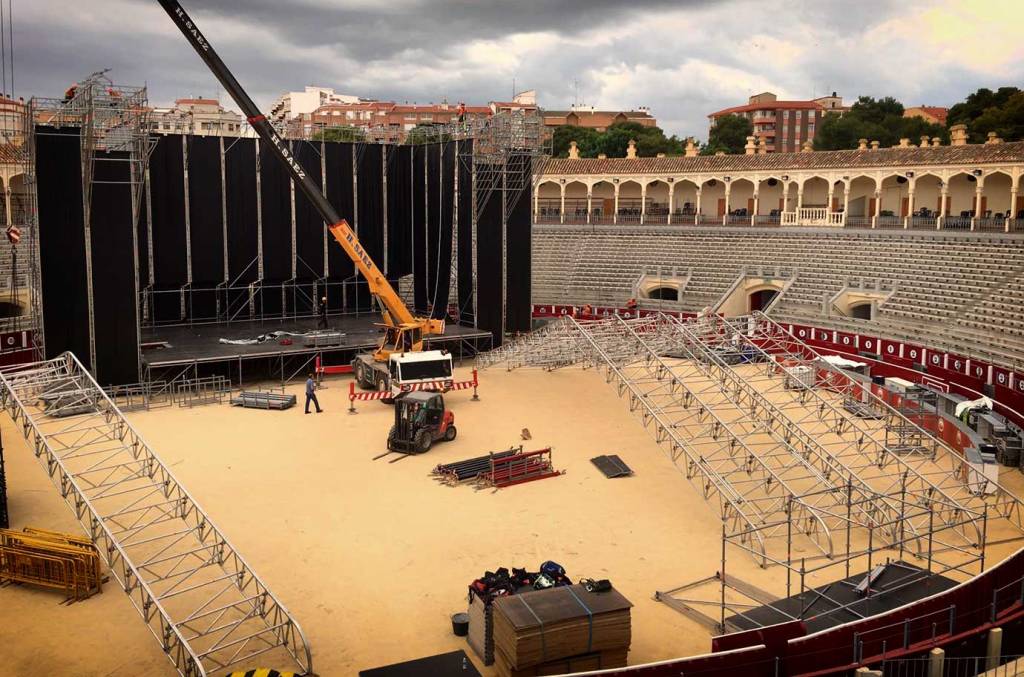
{"x":420,"y":420}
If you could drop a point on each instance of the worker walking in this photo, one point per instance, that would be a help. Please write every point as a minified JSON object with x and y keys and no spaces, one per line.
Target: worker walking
{"x":322,"y":310}
{"x":311,"y":394}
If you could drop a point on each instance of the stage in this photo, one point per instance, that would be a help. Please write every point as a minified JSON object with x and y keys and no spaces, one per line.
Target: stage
{"x":184,"y":345}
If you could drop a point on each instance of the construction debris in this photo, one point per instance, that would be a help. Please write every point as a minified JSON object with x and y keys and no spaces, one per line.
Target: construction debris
{"x":518,"y":468}
{"x":470,"y":469}
{"x":50,"y":559}
{"x":251,"y":399}
{"x":612,"y":466}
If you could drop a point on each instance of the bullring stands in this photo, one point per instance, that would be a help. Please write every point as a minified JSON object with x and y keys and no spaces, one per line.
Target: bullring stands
{"x":949,"y":289}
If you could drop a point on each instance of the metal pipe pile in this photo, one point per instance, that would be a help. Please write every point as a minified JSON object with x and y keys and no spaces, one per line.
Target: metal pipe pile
{"x":470,"y":469}
{"x":518,"y":468}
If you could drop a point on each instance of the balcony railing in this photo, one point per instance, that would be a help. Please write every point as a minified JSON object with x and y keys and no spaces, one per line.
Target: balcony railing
{"x":1015,"y":225}
{"x":789,"y":218}
{"x":812,"y":216}
{"x":889,"y":222}
{"x":858,"y":221}
{"x":956,"y":223}
{"x":708,"y":220}
{"x":990,"y":224}
{"x":737,"y":220}
{"x":767,"y":219}
{"x":923,"y":222}
{"x":836,"y":219}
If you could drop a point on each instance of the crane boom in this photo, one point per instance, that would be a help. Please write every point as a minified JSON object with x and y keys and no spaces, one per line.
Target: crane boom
{"x":397,"y":317}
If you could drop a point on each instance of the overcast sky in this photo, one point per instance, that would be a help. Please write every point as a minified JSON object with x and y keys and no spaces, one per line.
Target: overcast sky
{"x":682,"y":58}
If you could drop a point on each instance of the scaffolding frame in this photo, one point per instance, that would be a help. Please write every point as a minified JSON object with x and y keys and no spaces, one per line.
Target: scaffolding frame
{"x":113,"y":124}
{"x":203,"y":603}
{"x":785,"y":465}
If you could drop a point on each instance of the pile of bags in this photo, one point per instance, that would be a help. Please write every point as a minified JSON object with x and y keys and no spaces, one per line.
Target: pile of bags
{"x":494,"y":584}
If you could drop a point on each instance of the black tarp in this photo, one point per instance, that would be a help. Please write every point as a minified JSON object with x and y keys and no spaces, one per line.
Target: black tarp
{"x":62,"y":242}
{"x":167,"y":193}
{"x":240,"y":191}
{"x":206,"y":226}
{"x":338,"y":157}
{"x":418,"y":206}
{"x":113,"y":271}
{"x":276,"y":213}
{"x":518,"y":311}
{"x":465,"y":253}
{"x":488,"y":264}
{"x":371,"y":210}
{"x":309,"y":234}
{"x":399,"y":212}
{"x":444,"y":199}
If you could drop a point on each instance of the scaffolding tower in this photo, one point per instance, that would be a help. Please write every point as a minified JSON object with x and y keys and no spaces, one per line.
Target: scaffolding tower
{"x":113,"y":125}
{"x":205,"y":606}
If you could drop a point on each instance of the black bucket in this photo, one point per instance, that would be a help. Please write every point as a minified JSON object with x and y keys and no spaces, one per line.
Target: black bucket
{"x":460,"y":624}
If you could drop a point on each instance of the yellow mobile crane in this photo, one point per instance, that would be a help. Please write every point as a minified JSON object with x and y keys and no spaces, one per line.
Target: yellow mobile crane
{"x":403,"y":331}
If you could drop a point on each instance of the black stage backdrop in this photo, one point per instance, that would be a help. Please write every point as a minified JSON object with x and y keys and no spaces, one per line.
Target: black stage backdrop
{"x":62,"y":242}
{"x":433,"y":223}
{"x":243,"y":246}
{"x":371,"y":209}
{"x":113,"y":271}
{"x":399,"y":212}
{"x":276,"y":212}
{"x":445,"y":203}
{"x":488,"y":268}
{"x":419,"y":229}
{"x":205,"y":223}
{"x":167,"y":193}
{"x":465,"y":253}
{"x":338,"y":157}
{"x":309,"y":232}
{"x":518,"y":313}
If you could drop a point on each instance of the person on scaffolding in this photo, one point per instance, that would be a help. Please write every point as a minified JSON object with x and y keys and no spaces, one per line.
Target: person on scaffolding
{"x":322,"y":311}
{"x":462,"y":114}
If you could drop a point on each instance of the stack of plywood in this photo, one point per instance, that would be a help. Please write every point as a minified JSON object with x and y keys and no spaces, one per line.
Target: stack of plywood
{"x":481,"y":629}
{"x":559,"y":630}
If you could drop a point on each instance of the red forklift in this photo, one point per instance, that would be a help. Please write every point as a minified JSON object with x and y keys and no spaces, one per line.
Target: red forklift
{"x":420,"y":420}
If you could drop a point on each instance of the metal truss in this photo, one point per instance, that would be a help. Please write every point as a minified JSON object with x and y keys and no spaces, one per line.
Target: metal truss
{"x":205,"y":606}
{"x":771,"y":462}
{"x":906,"y":444}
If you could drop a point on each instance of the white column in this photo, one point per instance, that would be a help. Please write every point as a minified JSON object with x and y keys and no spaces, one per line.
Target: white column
{"x":799,"y":199}
{"x":878,"y":208}
{"x":671,"y":201}
{"x":643,"y":203}
{"x":910,"y":207}
{"x":725,"y":216}
{"x":561,"y":208}
{"x":943,"y":197}
{"x":785,"y":196}
{"x":697,"y":217}
{"x":977,"y":205}
{"x":590,"y":201}
{"x":536,"y":203}
{"x":615,"y":216}
{"x":757,"y":202}
{"x":846,"y":201}
{"x":1012,"y":211}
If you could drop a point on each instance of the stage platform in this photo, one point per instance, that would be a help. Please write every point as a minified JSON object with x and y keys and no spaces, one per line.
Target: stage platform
{"x":836,"y":603}
{"x":199,"y":344}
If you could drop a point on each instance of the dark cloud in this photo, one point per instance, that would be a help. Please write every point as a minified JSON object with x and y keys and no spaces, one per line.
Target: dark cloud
{"x":682,"y":59}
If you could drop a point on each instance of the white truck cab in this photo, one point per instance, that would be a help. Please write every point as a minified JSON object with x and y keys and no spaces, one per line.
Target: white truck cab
{"x":405,"y":372}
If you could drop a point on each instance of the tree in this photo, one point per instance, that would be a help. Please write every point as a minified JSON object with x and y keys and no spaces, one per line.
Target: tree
{"x":343,"y":133}
{"x":585,"y":138}
{"x":878,"y":111}
{"x":986,"y":111}
{"x":729,"y":134}
{"x":875,"y":120}
{"x":426,"y":133}
{"x":975,"y":105}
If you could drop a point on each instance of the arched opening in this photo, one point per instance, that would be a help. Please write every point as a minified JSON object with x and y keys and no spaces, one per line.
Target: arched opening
{"x":663,"y":294}
{"x":712,"y":202}
{"x":741,"y":202}
{"x":656,"y":210}
{"x":895,"y":197}
{"x":960,"y":193}
{"x":575,"y":202}
{"x":602,"y":202}
{"x":862,"y":311}
{"x":769,"y":202}
{"x":549,"y":203}
{"x":995,"y":205}
{"x":684,"y":199}
{"x":630,"y":199}
{"x":927,"y":202}
{"x":761,"y":299}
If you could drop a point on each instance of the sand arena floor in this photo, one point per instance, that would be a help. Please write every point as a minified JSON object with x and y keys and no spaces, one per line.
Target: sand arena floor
{"x":372,"y":558}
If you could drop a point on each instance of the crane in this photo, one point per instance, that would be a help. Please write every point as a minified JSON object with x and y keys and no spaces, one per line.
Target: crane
{"x":403,"y":331}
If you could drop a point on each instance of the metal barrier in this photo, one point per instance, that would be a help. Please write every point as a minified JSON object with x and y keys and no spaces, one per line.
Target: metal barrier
{"x":141,"y":396}
{"x":198,"y":391}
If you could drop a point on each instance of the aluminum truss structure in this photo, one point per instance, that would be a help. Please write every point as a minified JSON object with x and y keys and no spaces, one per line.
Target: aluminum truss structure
{"x":782,"y":467}
{"x":205,"y":606}
{"x":113,"y":123}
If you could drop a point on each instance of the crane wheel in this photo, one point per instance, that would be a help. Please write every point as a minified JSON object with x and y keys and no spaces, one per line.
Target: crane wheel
{"x":450,"y":433}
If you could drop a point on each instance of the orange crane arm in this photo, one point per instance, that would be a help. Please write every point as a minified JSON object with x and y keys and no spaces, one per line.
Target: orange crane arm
{"x":391,"y":305}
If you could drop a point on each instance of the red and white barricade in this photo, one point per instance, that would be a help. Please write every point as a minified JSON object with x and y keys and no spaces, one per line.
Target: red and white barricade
{"x":439,"y":386}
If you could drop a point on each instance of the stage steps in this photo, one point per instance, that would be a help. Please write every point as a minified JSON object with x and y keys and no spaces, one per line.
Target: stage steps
{"x":208,"y":610}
